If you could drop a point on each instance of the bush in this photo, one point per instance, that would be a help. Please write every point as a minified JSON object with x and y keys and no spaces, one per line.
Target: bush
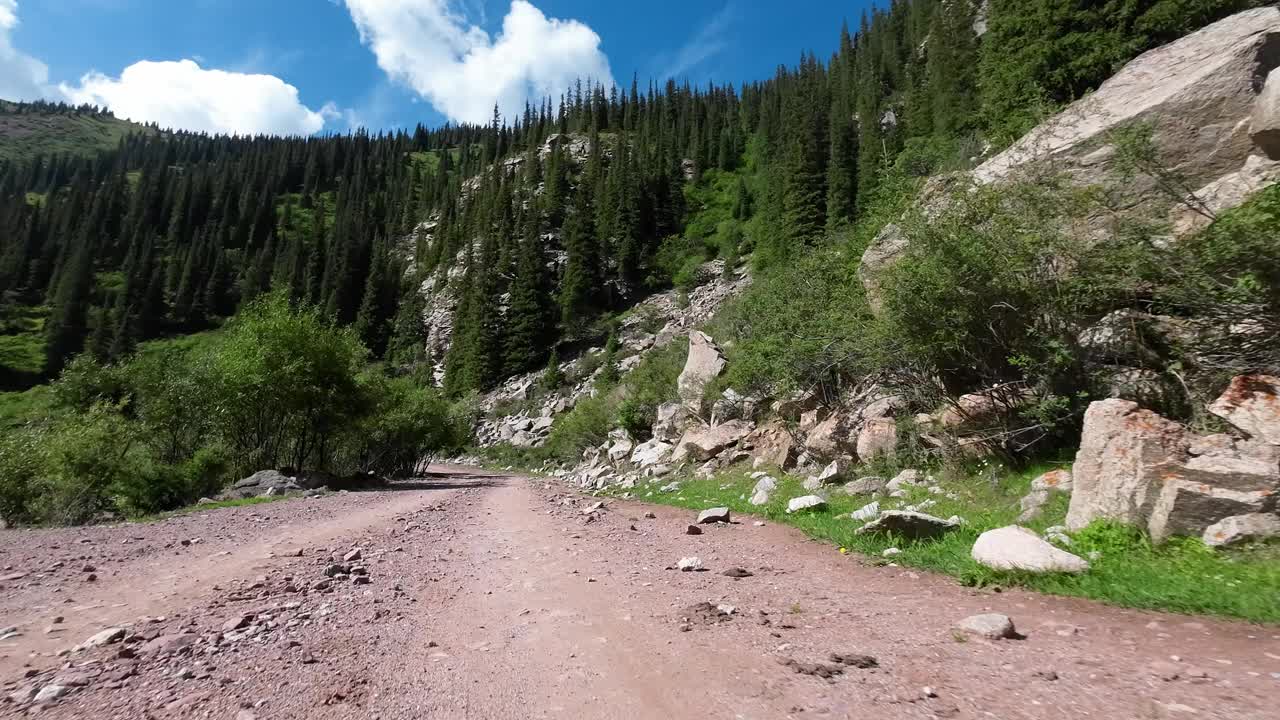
{"x":586,"y":426}
{"x":649,"y":385}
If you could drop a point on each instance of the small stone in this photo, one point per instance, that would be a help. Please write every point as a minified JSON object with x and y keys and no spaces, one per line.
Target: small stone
{"x":689,"y":564}
{"x":237,"y":623}
{"x":693,"y":530}
{"x":106,"y":637}
{"x":737,"y":572}
{"x":890,"y":552}
{"x":49,"y":693}
{"x":650,"y":516}
{"x":992,"y":626}
{"x":353,"y":556}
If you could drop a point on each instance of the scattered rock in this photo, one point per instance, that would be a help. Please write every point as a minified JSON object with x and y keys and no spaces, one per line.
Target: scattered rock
{"x":238,"y":622}
{"x":1017,"y":548}
{"x":693,"y":530}
{"x":857,"y":660}
{"x":737,"y":572}
{"x":822,"y":670}
{"x":689,"y":564}
{"x":106,"y":637}
{"x":890,"y":552}
{"x":992,"y":626}
{"x":1242,"y":528}
{"x":806,"y":502}
{"x":706,"y":442}
{"x":909,"y":525}
{"x":866,"y":486}
{"x":866,"y":512}
{"x":713,"y":515}
{"x":763,"y":491}
{"x":354,"y":556}
{"x":49,"y":693}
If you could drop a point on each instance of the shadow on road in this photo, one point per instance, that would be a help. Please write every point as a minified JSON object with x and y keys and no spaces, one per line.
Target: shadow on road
{"x":449,"y":481}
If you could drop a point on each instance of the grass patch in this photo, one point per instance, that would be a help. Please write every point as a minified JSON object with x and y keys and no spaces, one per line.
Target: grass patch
{"x":216,"y":505}
{"x":1182,"y":575}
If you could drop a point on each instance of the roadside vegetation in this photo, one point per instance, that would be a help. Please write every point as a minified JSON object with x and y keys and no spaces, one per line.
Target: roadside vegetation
{"x":1181,"y":575}
{"x":279,"y":387}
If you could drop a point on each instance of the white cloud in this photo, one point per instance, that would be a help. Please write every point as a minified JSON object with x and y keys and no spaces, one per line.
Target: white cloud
{"x":181,"y":94}
{"x":462,"y":71}
{"x":708,"y":42}
{"x":22,"y":77}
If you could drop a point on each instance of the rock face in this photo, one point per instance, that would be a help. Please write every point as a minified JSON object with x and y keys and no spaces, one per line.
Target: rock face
{"x":1017,"y":548}
{"x":1138,"y":468}
{"x":1201,"y":94}
{"x":910,"y":525}
{"x":773,"y":446}
{"x":1117,"y":470}
{"x":1252,"y":403}
{"x":705,"y":363}
{"x":1213,"y":119}
{"x":703,"y":442}
{"x":835,"y":436}
{"x":878,"y":436}
{"x":670,"y":423}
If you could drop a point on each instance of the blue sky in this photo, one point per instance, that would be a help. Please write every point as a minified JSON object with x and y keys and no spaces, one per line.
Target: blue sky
{"x":303,"y":66}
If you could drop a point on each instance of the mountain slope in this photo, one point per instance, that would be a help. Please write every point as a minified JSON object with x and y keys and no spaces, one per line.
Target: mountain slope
{"x":29,"y":131}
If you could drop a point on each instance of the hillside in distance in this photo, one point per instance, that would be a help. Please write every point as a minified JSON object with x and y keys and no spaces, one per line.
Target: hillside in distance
{"x":33,"y":130}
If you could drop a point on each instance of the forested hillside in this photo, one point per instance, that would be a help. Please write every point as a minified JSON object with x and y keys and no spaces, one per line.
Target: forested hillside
{"x":547,"y":225}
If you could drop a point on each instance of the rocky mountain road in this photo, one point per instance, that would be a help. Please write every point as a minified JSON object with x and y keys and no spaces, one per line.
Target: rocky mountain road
{"x":471,"y":595}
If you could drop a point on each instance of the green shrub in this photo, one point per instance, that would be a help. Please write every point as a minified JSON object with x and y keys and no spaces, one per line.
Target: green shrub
{"x":586,"y":426}
{"x":650,"y":384}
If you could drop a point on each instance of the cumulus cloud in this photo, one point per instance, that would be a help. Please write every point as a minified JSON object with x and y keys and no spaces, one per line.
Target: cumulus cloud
{"x":22,"y":77}
{"x":432,"y":48}
{"x":181,"y":94}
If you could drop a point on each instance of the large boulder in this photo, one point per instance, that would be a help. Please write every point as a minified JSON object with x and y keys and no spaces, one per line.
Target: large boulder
{"x":262,"y":483}
{"x":835,"y":436}
{"x":1017,"y":548}
{"x":1138,"y":468}
{"x":1252,"y":403}
{"x":1211,"y":103}
{"x":671,"y":422}
{"x":877,"y":437}
{"x":705,"y":442}
{"x":773,"y":446}
{"x":650,"y":453}
{"x":704,"y":364}
{"x":1117,"y":472}
{"x":1199,"y":94}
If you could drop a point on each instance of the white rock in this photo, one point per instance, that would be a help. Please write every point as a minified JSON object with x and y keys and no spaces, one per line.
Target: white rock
{"x":689,"y":564}
{"x":763,"y":491}
{"x":1242,"y":528}
{"x":714,"y":515}
{"x":866,"y":512}
{"x":49,"y":693}
{"x":805,"y":502}
{"x":1017,"y":548}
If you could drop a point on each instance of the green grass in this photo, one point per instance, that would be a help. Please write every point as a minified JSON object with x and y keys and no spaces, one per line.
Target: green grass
{"x":198,"y":507}
{"x":1180,"y":576}
{"x":24,"y":136}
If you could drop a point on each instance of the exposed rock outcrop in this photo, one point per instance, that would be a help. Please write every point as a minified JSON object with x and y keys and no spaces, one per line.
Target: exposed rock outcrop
{"x":705,"y":363}
{"x":1138,"y":468}
{"x":1211,"y":102}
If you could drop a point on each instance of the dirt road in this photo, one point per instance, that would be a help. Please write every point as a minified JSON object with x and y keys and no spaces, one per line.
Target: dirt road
{"x":479,"y":596}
